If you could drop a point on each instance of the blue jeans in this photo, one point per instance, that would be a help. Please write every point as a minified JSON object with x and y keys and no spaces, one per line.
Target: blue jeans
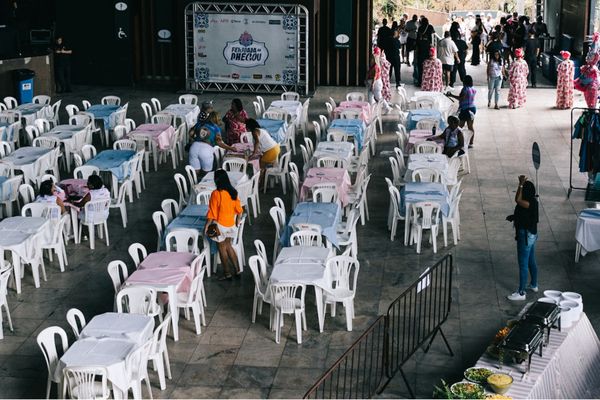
{"x":526,"y":256}
{"x":494,"y":85}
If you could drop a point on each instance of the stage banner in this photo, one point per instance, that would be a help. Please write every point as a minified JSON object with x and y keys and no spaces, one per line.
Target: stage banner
{"x":246,"y":48}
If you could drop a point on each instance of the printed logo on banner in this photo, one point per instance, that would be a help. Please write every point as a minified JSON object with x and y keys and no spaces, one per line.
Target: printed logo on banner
{"x":289,"y":76}
{"x":235,"y":76}
{"x":200,"y":20}
{"x":246,"y":52}
{"x":274,"y":22}
{"x":290,"y":22}
{"x":202,"y":74}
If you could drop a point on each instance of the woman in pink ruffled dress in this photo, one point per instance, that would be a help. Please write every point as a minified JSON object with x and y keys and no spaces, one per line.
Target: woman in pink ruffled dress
{"x":432,"y":73}
{"x":517,"y":76}
{"x":564,"y":84}
{"x":386,"y":92}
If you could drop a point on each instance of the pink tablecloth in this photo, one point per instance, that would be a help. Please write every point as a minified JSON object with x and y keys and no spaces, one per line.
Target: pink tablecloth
{"x":339,"y":176}
{"x":166,"y":259}
{"x":241,"y":153}
{"x":74,"y":187}
{"x":164,"y":269}
{"x":160,"y":133}
{"x":362,"y":105}
{"x":417,"y":136}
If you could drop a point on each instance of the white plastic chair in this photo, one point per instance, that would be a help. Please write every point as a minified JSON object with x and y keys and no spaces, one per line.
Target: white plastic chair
{"x":171,"y":208}
{"x":156,"y":104}
{"x":159,"y":353}
{"x":117,"y":271}
{"x":160,"y":222}
{"x":118,"y":133}
{"x":278,"y":216}
{"x":451,"y":176}
{"x":346,"y":233}
{"x":85,"y":171}
{"x":191,"y":175}
{"x":42,"y":124}
{"x":138,"y":300}
{"x":182,"y":187}
{"x":85,"y":383}
{"x":76,"y":320}
{"x":186,"y":241}
{"x":27,"y":193}
{"x":428,"y":124}
{"x":428,"y":148}
{"x":350,"y":113}
{"x":162,"y":118}
{"x":355,"y":96}
{"x":330,"y":162}
{"x":173,"y":148}
{"x":453,"y":219}
{"x":279,"y":171}
{"x":86,"y":104}
{"x":261,"y":284}
{"x":254,"y":198}
{"x":32,"y":133}
{"x":344,"y":271}
{"x":394,"y":215}
{"x":46,"y":339}
{"x":5,"y":274}
{"x":306,"y":238}
{"x":235,"y":164}
{"x":293,"y":96}
{"x":111,"y":100}
{"x":425,"y":103}
{"x":295,"y":183}
{"x":276,"y":113}
{"x":285,"y":300}
{"x":11,"y":102}
{"x":80,"y":119}
{"x":96,"y":214}
{"x":41,"y":99}
{"x":193,"y":299}
{"x":125,"y":144}
{"x":425,"y":215}
{"x":148,"y":112}
{"x":88,"y":152}
{"x":425,"y":175}
{"x":136,"y":364}
{"x":120,"y":202}
{"x":137,"y":252}
{"x":188,"y":99}
{"x":258,"y":111}
{"x":337,"y":135}
{"x":466,"y":163}
{"x":13,"y":184}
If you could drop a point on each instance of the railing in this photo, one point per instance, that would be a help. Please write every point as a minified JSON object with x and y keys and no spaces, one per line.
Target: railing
{"x":357,"y":374}
{"x":413,"y":319}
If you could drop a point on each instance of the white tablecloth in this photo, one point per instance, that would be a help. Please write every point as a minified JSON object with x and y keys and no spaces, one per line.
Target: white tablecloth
{"x":187,"y":111}
{"x":293,"y":108}
{"x":569,"y":368}
{"x":31,"y":111}
{"x":435,"y":161}
{"x":587,"y":232}
{"x":108,"y":352}
{"x":341,"y":150}
{"x":135,"y":327}
{"x":301,"y":264}
{"x":71,"y":136}
{"x":441,"y":101}
{"x":28,"y":159}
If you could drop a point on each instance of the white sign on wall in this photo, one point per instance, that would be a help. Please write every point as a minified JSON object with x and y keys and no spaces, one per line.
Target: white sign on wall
{"x":246,"y":48}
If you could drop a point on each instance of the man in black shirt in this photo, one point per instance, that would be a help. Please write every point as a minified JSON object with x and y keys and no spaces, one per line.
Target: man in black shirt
{"x":462,"y":56}
{"x":62,"y":66}
{"x":532,"y":49}
{"x":383,"y":33}
{"x":424,"y":42}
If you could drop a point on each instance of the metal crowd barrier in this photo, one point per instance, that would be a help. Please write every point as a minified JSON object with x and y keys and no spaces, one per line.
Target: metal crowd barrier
{"x":413,"y":319}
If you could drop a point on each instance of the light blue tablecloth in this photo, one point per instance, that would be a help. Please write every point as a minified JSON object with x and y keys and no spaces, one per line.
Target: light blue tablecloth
{"x":352,"y":127}
{"x":113,"y":161}
{"x":8,"y":134}
{"x":591,"y":213}
{"x":26,"y":155}
{"x":327,"y":215}
{"x":191,"y":217}
{"x":29,"y":108}
{"x":275,"y":127}
{"x":104,"y":112}
{"x":422,"y":191}
{"x":415,"y":116}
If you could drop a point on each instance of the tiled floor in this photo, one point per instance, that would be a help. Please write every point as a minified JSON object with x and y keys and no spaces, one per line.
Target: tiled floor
{"x":235,"y":358}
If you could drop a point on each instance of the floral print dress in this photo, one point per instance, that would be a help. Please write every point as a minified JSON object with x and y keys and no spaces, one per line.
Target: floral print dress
{"x":564,"y":85}
{"x":517,"y":77}
{"x":234,"y":126}
{"x":432,"y":75}
{"x":386,"y":92}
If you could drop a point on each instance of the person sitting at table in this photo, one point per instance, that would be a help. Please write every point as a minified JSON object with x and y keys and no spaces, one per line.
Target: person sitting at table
{"x":452,"y":137}
{"x":235,"y":122}
{"x":265,"y":144}
{"x":97,"y":191}
{"x":222,"y":222}
{"x":49,"y":195}
{"x":212,"y":124}
{"x":201,"y":155}
{"x":205,"y":110}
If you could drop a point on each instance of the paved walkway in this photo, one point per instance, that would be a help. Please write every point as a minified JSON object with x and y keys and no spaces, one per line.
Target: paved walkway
{"x":235,"y":358}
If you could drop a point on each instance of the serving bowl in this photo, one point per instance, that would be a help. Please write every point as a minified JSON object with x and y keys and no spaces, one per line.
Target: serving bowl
{"x":500,"y":383}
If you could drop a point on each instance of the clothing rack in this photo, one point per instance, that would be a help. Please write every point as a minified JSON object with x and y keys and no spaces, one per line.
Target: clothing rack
{"x":574,"y":110}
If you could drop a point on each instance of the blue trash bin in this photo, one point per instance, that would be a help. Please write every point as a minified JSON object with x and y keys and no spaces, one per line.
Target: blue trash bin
{"x":23,"y":79}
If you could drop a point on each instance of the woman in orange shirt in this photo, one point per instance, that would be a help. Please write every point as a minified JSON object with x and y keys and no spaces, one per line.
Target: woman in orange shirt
{"x":223,"y":210}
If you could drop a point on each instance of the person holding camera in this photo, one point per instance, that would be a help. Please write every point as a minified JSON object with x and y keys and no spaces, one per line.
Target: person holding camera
{"x":525,"y":220}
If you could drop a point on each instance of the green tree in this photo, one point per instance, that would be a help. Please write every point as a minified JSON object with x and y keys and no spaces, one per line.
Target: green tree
{"x":389,"y":8}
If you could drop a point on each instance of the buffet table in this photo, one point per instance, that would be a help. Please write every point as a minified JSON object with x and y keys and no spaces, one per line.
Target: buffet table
{"x":569,"y":367}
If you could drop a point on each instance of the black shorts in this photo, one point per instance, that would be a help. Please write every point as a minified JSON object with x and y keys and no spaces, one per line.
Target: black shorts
{"x":447,"y":67}
{"x":467,"y":114}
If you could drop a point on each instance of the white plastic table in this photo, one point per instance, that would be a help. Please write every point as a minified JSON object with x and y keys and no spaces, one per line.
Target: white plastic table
{"x":338,"y":176}
{"x":414,"y":192}
{"x":189,"y":112}
{"x":168,"y":272}
{"x":208,"y":183}
{"x":304,"y":265}
{"x":19,"y":236}
{"x":27,"y":159}
{"x":587,"y":233}
{"x":71,"y":136}
{"x":31,"y":111}
{"x":135,"y":327}
{"x":293,"y":108}
{"x":340,"y":150}
{"x":436,"y":161}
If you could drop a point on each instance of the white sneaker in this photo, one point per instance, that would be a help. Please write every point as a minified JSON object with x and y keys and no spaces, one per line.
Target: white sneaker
{"x":534,"y":289}
{"x":516,"y":296}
